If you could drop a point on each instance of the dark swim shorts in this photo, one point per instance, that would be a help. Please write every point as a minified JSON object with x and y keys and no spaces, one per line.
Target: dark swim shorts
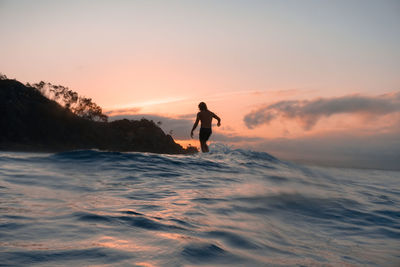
{"x":205,"y":134}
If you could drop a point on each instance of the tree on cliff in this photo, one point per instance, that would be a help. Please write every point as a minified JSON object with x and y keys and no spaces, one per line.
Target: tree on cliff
{"x":81,"y":106}
{"x":3,"y":76}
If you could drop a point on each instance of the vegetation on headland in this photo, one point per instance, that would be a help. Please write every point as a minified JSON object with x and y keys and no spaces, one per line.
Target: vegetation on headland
{"x":81,"y":106}
{"x":49,"y":118}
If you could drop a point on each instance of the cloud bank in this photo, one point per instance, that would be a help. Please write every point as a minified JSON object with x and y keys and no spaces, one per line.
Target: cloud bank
{"x":309,"y":112}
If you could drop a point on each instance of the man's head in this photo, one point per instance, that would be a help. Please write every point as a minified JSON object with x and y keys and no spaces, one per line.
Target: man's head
{"x":202,"y":106}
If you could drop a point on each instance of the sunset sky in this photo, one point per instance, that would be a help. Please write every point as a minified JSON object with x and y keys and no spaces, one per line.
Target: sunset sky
{"x":312,"y":81}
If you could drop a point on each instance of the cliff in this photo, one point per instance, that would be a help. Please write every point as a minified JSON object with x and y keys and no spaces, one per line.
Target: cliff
{"x":31,"y":122}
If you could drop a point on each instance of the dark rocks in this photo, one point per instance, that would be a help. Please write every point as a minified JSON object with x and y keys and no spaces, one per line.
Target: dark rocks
{"x":31,"y":122}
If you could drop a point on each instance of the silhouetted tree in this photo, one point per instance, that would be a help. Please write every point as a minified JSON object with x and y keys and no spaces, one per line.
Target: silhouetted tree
{"x":81,"y":106}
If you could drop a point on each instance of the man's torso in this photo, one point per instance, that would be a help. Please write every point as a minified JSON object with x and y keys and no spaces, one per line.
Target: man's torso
{"x":205,"y":117}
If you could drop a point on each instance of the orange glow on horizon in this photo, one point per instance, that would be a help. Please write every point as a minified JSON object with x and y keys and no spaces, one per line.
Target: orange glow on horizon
{"x":186,"y":143}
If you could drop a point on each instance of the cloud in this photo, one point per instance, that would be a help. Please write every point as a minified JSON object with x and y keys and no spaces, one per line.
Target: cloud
{"x":309,"y":112}
{"x":190,"y":116}
{"x":122,"y":111}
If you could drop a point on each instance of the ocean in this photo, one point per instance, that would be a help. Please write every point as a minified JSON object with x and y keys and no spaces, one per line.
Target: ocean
{"x":230,"y":207}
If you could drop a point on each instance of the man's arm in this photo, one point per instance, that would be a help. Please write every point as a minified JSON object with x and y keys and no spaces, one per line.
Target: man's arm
{"x":218,"y":119}
{"x":195,"y":125}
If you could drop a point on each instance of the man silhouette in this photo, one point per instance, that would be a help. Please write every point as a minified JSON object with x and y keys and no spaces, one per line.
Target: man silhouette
{"x":205,"y":117}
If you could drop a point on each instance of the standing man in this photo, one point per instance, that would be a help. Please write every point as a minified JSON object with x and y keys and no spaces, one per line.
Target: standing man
{"x":205,"y":117}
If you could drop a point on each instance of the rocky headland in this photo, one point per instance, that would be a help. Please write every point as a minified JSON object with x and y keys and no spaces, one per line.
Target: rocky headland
{"x":30,"y":121}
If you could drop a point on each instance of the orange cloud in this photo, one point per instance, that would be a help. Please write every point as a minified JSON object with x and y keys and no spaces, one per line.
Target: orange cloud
{"x":122,"y":111}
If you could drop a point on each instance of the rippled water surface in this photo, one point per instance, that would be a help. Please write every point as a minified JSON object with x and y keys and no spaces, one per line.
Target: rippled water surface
{"x":229,"y":207}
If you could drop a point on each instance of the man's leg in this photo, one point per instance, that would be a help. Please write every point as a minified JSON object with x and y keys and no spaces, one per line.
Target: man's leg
{"x":204,"y":147}
{"x":203,"y":137}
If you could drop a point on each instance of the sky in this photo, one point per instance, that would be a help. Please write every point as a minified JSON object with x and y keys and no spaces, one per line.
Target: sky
{"x":311,"y":81}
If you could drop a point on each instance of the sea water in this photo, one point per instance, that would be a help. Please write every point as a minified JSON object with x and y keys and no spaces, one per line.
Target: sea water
{"x":229,"y":207}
